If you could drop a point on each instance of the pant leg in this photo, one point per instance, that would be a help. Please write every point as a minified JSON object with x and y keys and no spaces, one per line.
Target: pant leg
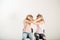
{"x":36,"y":36}
{"x":42,"y":36}
{"x":31,"y":36}
{"x":24,"y":36}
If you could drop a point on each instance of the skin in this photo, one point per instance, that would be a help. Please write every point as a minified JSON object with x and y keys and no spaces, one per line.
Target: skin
{"x":27,"y":22}
{"x":38,"y":22}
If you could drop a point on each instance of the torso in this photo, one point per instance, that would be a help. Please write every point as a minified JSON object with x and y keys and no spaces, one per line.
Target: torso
{"x":40,"y":28}
{"x":28,"y":28}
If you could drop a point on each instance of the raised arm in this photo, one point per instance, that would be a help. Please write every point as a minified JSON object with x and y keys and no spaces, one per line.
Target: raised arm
{"x":37,"y":19}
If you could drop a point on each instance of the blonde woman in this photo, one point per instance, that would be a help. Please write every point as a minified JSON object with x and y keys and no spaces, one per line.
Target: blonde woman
{"x":40,"y":28}
{"x":27,"y":27}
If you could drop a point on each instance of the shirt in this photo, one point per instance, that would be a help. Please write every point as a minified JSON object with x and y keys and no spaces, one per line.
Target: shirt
{"x":40,"y":28}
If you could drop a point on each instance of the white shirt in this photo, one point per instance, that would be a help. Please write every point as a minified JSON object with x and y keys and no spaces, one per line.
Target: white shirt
{"x":40,"y":28}
{"x":27,"y":29}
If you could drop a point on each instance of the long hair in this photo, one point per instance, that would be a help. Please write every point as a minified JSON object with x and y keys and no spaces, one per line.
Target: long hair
{"x":40,"y":16}
{"x":29,"y":16}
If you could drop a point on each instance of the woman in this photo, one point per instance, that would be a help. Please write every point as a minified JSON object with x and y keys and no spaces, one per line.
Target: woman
{"x":40,"y":28}
{"x":27,"y":27}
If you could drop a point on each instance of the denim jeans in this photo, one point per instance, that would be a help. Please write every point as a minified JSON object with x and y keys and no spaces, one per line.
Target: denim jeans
{"x":25,"y":34}
{"x":39,"y":36}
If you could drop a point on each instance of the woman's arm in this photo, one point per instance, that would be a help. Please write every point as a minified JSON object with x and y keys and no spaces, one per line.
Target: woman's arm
{"x":37,"y":19}
{"x":24,"y":23}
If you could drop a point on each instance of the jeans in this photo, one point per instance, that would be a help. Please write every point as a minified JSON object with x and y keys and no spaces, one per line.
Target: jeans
{"x":25,"y":34}
{"x":39,"y":36}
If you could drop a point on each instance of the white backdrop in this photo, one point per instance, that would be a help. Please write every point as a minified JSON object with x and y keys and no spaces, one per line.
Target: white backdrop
{"x":13,"y":12}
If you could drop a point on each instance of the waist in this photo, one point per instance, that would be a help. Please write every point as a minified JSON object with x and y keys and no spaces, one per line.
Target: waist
{"x":39,"y":31}
{"x":27,"y":30}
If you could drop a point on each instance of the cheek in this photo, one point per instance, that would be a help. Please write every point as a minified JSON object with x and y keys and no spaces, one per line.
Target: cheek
{"x":28,"y":17}
{"x":32,"y":18}
{"x":37,"y":23}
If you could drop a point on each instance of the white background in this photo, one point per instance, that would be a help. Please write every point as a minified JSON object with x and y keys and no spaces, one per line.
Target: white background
{"x":13,"y":12}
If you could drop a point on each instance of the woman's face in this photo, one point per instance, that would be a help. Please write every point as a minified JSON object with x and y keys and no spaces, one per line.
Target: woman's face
{"x":30,"y":18}
{"x":38,"y":20}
